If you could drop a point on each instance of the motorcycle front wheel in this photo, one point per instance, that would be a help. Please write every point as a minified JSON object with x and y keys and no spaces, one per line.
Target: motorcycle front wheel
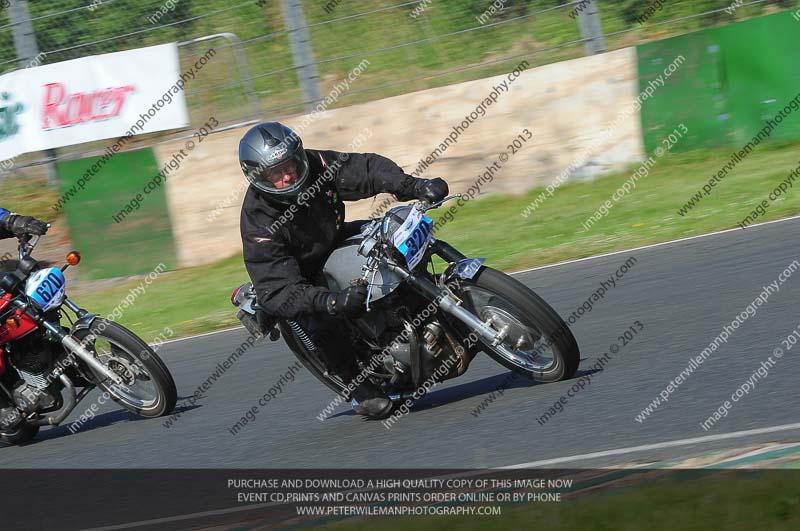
{"x":537,"y":343}
{"x":148,"y":388}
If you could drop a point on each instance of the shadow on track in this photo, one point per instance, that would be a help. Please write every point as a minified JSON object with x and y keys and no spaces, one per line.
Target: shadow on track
{"x":98,"y":421}
{"x":478,"y":388}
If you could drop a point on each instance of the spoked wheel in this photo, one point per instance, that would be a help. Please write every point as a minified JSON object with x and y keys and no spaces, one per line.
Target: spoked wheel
{"x":536,"y":342}
{"x":147,"y":388}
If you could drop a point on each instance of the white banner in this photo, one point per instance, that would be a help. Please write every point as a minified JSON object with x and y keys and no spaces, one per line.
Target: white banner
{"x":91,"y":98}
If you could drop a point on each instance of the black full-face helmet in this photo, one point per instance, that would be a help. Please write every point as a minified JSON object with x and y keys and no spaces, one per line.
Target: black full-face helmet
{"x":274,"y":161}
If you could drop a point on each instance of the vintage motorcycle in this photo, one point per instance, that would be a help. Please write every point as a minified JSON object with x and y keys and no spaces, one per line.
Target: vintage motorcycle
{"x":42,"y":362}
{"x":419,"y":325}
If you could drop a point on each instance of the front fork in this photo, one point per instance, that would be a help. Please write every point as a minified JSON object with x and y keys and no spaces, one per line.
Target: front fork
{"x":76,"y":348}
{"x":463,"y":269}
{"x":72,"y":345}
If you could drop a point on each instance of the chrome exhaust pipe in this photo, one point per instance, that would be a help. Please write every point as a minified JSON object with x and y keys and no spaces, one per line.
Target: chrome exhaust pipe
{"x":70,"y":401}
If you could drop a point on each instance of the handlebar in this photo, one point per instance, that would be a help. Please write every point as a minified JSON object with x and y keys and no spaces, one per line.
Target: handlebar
{"x":424,"y":206}
{"x":26,"y":244}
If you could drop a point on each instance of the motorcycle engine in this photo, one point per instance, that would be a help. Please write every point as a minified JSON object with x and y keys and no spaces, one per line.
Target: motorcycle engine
{"x":400,"y":342}
{"x":32,"y":358}
{"x":413,"y":356}
{"x":413,"y":342}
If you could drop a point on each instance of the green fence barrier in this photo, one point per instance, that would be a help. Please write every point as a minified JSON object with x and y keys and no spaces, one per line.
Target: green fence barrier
{"x":733,"y":80}
{"x":142,"y":239}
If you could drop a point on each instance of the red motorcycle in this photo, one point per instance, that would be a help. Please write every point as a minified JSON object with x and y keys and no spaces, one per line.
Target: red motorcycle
{"x":43,"y":362}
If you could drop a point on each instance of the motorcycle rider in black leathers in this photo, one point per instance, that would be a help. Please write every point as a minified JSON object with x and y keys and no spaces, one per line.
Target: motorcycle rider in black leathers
{"x":291,"y":220}
{"x":12,"y":224}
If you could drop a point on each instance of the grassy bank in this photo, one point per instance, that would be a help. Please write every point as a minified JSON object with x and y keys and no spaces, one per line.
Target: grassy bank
{"x":734,"y":502}
{"x":495,"y":228}
{"x":197,"y":300}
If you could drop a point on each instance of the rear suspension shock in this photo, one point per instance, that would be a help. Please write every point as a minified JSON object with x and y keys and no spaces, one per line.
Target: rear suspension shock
{"x":301,"y":334}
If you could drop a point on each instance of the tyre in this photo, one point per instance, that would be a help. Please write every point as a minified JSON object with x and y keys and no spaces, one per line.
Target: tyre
{"x":148,"y":389}
{"x":312,"y":362}
{"x":538,"y":343}
{"x":21,"y":434}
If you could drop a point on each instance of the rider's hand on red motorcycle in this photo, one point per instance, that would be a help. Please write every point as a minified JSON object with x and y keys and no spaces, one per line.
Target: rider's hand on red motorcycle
{"x":21,"y":225}
{"x":349,"y":301}
{"x":431,"y":190}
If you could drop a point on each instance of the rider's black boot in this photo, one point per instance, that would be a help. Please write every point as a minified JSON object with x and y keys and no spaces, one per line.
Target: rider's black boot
{"x":370,"y":402}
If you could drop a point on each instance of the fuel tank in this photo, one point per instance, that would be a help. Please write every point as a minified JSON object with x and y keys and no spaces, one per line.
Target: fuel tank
{"x":345,"y":264}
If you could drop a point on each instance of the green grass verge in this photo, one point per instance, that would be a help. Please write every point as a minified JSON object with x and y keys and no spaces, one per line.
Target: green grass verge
{"x":197,"y":299}
{"x":188,"y":301}
{"x":494,"y":227}
{"x":29,"y":192}
{"x":767,"y":501}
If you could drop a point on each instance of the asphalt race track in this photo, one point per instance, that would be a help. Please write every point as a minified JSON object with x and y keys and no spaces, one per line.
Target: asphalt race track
{"x":683,"y":293}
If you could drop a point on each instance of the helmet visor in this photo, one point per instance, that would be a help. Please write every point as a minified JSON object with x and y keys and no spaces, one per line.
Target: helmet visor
{"x":283,"y":178}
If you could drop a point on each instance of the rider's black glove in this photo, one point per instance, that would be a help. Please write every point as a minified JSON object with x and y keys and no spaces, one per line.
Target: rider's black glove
{"x":431,"y":190}
{"x":21,"y":225}
{"x":349,"y":301}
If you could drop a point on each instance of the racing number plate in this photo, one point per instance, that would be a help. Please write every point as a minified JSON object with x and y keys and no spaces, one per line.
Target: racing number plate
{"x":413,"y":236}
{"x":46,"y":287}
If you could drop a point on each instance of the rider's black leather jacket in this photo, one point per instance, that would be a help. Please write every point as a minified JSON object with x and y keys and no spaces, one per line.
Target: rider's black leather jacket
{"x":286,"y":245}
